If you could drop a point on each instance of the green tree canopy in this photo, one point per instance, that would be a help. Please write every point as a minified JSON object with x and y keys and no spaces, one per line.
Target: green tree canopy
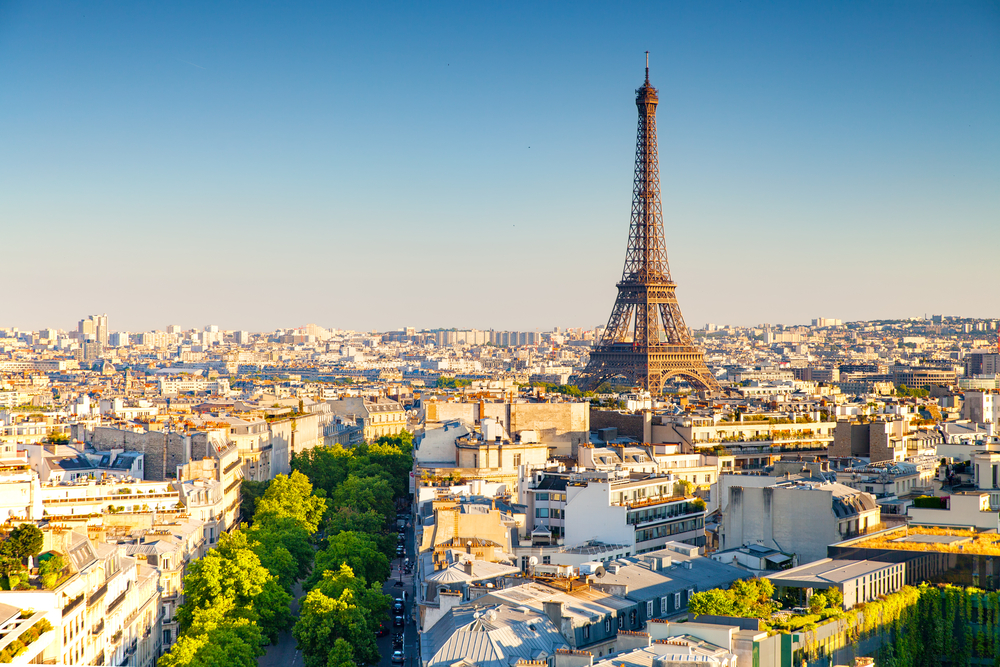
{"x":326,"y":467}
{"x":50,"y":570}
{"x":341,"y":606}
{"x":216,"y":638}
{"x":746,"y":598}
{"x":25,"y":540}
{"x":284,"y":533}
{"x":250,"y":491}
{"x":232,"y":571}
{"x":366,"y":493}
{"x":357,"y":550}
{"x":291,"y":496}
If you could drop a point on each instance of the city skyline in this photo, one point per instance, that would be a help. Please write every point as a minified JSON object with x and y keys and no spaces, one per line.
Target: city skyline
{"x":835,"y":161}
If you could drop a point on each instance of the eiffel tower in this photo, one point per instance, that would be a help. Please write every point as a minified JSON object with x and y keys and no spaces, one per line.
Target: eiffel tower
{"x":646,"y":340}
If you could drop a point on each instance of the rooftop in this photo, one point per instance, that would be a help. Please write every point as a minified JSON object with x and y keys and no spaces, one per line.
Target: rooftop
{"x":925,"y":539}
{"x":826,"y":572}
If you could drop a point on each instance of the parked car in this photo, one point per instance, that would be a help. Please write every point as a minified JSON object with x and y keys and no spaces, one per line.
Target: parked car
{"x":398,"y":621}
{"x":400,"y":550}
{"x":397,"y":607}
{"x":397,"y":640}
{"x":398,"y":658}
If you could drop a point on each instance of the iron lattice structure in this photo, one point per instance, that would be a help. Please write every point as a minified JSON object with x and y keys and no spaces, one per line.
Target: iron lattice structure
{"x":646,"y":340}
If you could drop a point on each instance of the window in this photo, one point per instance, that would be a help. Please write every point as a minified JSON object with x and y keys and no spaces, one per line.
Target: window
{"x":663,"y":605}
{"x":546,"y":560}
{"x":607,"y":624}
{"x":541,"y":496}
{"x":690,"y":593}
{"x":586,"y":632}
{"x":542,"y":513}
{"x":649,"y":609}
{"x":517,"y":460}
{"x":677,"y":601}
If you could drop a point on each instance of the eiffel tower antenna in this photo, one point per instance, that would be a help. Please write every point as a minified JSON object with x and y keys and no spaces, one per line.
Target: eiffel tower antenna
{"x":646,"y":340}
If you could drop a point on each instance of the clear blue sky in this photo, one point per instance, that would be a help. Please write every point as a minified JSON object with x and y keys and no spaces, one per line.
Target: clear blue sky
{"x":377,"y":165}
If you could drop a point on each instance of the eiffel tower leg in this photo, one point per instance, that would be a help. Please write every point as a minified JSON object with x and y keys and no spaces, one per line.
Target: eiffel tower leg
{"x":655,"y":384}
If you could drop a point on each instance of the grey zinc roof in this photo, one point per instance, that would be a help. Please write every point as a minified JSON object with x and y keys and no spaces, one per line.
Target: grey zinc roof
{"x":644,"y":583}
{"x":494,"y":636}
{"x":826,"y":572}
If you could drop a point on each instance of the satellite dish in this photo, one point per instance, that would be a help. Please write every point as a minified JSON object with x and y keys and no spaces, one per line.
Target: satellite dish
{"x":533,"y":561}
{"x":600,"y":571}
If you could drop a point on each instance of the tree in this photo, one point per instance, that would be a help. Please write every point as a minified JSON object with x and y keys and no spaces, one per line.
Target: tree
{"x":50,"y":570}
{"x":395,"y":462}
{"x":291,"y":496}
{"x":341,"y":606}
{"x":341,"y":655}
{"x":371,"y":523}
{"x":250,"y":491}
{"x":366,"y":493}
{"x":834,"y":597}
{"x":232,"y":571}
{"x":326,"y":467}
{"x":818,"y":603}
{"x":745,"y":598}
{"x":715,"y":602}
{"x":25,"y":540}
{"x":357,"y":550}
{"x":284,"y":533}
{"x":216,"y":638}
{"x":325,"y":623}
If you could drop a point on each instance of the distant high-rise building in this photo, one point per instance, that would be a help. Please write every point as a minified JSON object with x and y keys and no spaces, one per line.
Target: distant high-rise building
{"x":242,"y":337}
{"x":120,"y":339}
{"x":174,"y":329}
{"x":95,"y":326}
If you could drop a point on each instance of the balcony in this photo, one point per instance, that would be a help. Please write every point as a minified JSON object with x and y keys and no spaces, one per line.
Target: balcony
{"x":99,"y":628}
{"x":73,"y":604}
{"x":117,"y":601}
{"x":97,"y":595}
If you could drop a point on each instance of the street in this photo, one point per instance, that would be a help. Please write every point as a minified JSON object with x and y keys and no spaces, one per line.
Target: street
{"x":393,"y":588}
{"x":284,"y":653}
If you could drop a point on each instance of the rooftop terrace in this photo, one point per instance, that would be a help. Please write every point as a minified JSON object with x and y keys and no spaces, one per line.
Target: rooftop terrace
{"x":947,"y":540}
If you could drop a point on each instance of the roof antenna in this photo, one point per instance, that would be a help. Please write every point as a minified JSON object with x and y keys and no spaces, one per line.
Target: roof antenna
{"x":647,"y":68}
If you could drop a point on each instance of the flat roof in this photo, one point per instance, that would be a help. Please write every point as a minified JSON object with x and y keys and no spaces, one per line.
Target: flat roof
{"x":827,"y":572}
{"x":914,"y":539}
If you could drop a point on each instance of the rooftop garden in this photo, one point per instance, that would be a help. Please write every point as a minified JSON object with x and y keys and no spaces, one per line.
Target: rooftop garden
{"x":980,"y":544}
{"x":16,"y":548}
{"x":26,"y":638}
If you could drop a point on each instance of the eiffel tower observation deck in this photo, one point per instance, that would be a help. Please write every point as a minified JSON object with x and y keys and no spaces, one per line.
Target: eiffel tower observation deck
{"x":646,"y":341}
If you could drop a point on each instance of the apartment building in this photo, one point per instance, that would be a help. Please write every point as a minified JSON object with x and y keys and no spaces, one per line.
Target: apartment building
{"x":639,"y":510}
{"x":104,"y":611}
{"x":795,"y":516}
{"x":380,"y":417}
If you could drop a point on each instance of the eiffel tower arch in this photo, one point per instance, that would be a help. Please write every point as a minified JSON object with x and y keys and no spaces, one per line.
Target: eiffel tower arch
{"x":646,"y":339}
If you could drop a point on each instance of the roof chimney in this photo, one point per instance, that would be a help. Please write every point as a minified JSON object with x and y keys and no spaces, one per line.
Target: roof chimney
{"x":554,"y":610}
